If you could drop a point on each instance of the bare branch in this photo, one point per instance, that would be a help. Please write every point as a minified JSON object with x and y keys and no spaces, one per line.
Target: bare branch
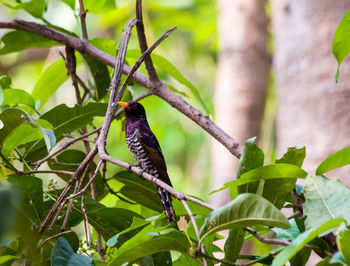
{"x":160,"y":89}
{"x":53,"y":237}
{"x":82,"y":15}
{"x":195,"y":226}
{"x":62,"y":172}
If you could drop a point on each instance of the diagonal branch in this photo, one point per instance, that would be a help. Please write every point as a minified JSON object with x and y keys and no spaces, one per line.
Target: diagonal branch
{"x":160,"y":89}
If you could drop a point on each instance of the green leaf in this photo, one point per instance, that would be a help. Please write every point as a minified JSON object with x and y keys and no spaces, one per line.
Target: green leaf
{"x":50,"y":80}
{"x":98,"y":6}
{"x":343,"y":242}
{"x":62,"y":254}
{"x":31,"y":195}
{"x":5,"y":82}
{"x":100,"y":76}
{"x":142,"y":191}
{"x":15,"y":97}
{"x":233,"y":245}
{"x":245,"y":210}
{"x":252,"y":157}
{"x":325,"y":200}
{"x":341,"y":41}
{"x":171,"y":70}
{"x":290,"y":233}
{"x":294,"y":156}
{"x":144,"y":243}
{"x":337,"y":259}
{"x":65,"y":120}
{"x":336,"y":160}
{"x":28,"y":40}
{"x":298,"y":243}
{"x":13,"y":119}
{"x":70,"y":3}
{"x":185,"y":259}
{"x":7,"y":209}
{"x":279,"y":179}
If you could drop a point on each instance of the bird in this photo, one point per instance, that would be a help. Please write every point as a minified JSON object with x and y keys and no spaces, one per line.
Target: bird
{"x":145,"y":148}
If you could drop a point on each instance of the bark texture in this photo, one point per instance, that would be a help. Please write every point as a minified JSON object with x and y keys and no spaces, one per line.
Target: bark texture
{"x":313,"y":110}
{"x":241,"y":84}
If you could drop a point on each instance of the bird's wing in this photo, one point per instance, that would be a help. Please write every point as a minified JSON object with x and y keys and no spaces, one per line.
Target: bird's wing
{"x":151,"y":146}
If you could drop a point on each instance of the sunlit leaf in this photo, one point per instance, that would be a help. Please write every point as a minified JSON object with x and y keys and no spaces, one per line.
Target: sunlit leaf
{"x":325,"y":200}
{"x":341,"y":41}
{"x":294,"y":156}
{"x":336,"y":160}
{"x":28,"y":40}
{"x":343,"y":242}
{"x":245,"y":210}
{"x":99,"y":6}
{"x":298,"y":243}
{"x":50,"y":80}
{"x":16,"y":96}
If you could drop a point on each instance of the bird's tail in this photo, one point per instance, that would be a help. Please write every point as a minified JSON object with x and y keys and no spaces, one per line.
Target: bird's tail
{"x":165,"y":198}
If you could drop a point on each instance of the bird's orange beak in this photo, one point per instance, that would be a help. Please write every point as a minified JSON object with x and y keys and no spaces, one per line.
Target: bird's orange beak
{"x":124,"y":104}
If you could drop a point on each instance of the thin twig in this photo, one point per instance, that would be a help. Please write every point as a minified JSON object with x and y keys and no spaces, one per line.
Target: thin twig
{"x":62,"y":172}
{"x":53,"y":237}
{"x":86,"y":222}
{"x":195,"y":226}
{"x":82,"y":15}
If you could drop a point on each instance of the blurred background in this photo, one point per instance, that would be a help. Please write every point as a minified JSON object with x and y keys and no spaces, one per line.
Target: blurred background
{"x":258,"y":68}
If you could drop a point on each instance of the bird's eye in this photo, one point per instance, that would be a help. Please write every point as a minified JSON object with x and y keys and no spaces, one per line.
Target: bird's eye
{"x":135,"y":106}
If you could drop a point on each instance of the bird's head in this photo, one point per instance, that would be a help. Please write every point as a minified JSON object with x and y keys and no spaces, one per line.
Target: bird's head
{"x":133,"y":110}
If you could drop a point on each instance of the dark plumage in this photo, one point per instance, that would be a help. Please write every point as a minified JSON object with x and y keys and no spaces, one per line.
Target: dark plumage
{"x":145,"y":148}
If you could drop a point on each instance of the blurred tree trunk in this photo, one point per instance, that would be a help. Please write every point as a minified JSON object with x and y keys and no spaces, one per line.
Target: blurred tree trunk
{"x":313,"y":110}
{"x":241,"y":84}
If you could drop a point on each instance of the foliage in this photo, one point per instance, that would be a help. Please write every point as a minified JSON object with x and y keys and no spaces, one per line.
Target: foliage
{"x":126,"y":214}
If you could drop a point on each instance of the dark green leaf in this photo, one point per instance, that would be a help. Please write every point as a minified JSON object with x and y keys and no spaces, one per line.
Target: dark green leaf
{"x":144,"y":243}
{"x":50,"y":80}
{"x":294,"y":156}
{"x":233,"y":245}
{"x":31,"y":195}
{"x":336,"y":160}
{"x":341,"y":41}
{"x":185,"y":259}
{"x":100,"y":76}
{"x":7,"y":210}
{"x":298,"y":243}
{"x":12,"y":44}
{"x":65,"y":120}
{"x":13,"y":119}
{"x":325,"y":199}
{"x":62,"y":254}
{"x":301,"y":258}
{"x":245,"y":210}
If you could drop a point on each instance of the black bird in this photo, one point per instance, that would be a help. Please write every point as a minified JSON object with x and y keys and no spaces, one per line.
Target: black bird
{"x":145,"y":148}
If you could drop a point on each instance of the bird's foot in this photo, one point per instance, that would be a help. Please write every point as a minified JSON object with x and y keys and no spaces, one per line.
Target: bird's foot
{"x":131,"y":165}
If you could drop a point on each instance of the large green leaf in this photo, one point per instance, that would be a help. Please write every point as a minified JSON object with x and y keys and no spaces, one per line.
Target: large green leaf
{"x":341,"y":41}
{"x":294,"y":156}
{"x":142,"y":191}
{"x":65,"y":120}
{"x":233,"y":245}
{"x":14,"y":133}
{"x":15,"y":97}
{"x":245,"y":210}
{"x":63,"y":254}
{"x":28,"y":40}
{"x":145,"y":243}
{"x":8,"y":200}
{"x":31,"y":195}
{"x":325,"y":200}
{"x":298,"y":243}
{"x":336,"y":160}
{"x":50,"y":80}
{"x":171,"y":70}
{"x":343,"y":241}
{"x":100,"y":76}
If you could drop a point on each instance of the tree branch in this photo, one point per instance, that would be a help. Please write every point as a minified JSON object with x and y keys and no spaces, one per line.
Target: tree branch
{"x":160,"y":90}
